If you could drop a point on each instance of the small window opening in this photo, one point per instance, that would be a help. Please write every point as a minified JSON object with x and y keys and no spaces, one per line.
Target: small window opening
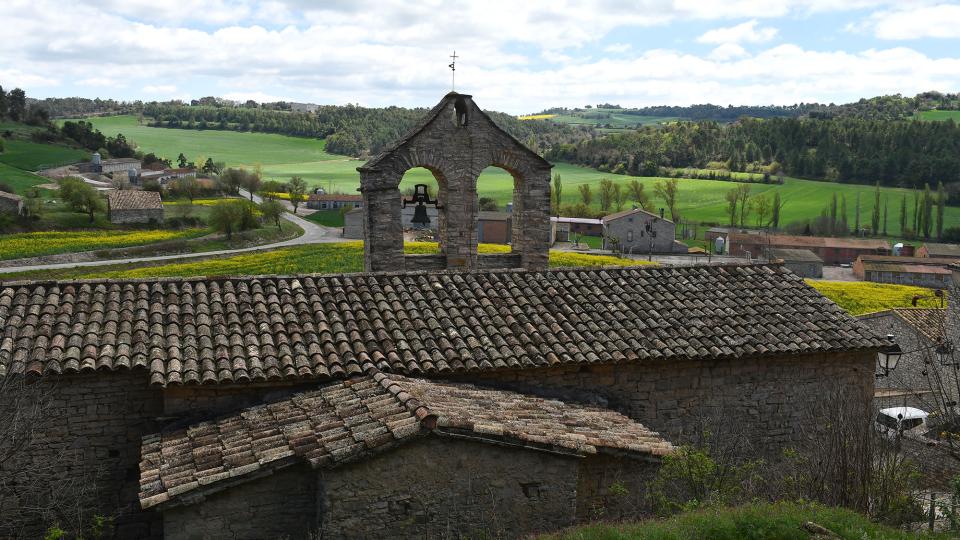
{"x":460,"y":109}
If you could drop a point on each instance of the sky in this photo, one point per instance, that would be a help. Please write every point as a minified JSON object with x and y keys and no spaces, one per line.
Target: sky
{"x":516,"y":56}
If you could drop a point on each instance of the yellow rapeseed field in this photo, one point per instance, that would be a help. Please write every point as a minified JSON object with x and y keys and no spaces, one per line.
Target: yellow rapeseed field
{"x":199,"y":202}
{"x":536,"y":117}
{"x":859,"y":297}
{"x":35,"y":244}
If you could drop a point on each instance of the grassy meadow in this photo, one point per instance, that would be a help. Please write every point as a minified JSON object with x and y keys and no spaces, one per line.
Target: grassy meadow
{"x":938,"y":115}
{"x":282,"y":157}
{"x":31,"y":156}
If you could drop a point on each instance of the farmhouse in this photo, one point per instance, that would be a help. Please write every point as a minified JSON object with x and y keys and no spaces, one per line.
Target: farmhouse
{"x":830,"y":250}
{"x":413,"y":402}
{"x":639,"y":231}
{"x":939,"y":251}
{"x":802,"y":262}
{"x":333,"y":201}
{"x":129,"y":206}
{"x":919,"y":271}
{"x":11,"y":203}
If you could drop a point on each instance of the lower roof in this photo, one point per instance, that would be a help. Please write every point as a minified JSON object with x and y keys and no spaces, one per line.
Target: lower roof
{"x":273,"y":328}
{"x":353,"y":419}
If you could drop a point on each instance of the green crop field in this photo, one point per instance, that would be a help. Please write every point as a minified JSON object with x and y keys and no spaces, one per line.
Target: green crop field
{"x":938,"y":115}
{"x":30,"y":156}
{"x":615,"y":118}
{"x":18,"y":179}
{"x":699,"y":200}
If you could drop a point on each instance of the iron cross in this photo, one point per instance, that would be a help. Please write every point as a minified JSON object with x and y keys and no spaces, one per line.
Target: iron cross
{"x":453,"y":71}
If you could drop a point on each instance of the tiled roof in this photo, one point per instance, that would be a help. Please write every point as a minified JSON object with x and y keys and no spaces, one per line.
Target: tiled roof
{"x":799,"y":255}
{"x":219,"y":330}
{"x":943,"y":250}
{"x":625,"y":213}
{"x":785,"y":240}
{"x":899,"y":259}
{"x":134,"y":200}
{"x":349,"y":420}
{"x":905,"y":268}
{"x":928,"y":321}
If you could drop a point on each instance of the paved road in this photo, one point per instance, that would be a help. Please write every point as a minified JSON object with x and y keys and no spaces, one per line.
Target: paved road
{"x":312,"y":234}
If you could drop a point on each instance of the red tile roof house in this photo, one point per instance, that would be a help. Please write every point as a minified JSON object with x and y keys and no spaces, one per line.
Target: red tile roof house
{"x":413,"y":404}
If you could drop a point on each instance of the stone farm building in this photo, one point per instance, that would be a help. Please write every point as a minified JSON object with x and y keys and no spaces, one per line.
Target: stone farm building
{"x":830,"y":250}
{"x":919,"y":271}
{"x":565,"y":229}
{"x":489,"y":396}
{"x":802,"y":262}
{"x":134,"y":206}
{"x":639,"y":231}
{"x":11,"y":203}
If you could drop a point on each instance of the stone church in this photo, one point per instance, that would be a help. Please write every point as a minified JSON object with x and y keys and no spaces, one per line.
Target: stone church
{"x":433,"y":397}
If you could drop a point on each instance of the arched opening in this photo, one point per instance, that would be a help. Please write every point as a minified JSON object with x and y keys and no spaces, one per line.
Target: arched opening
{"x":498,"y":211}
{"x":424,"y":225}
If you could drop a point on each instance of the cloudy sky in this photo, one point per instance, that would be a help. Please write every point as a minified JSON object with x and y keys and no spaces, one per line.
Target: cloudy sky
{"x":516,"y":56}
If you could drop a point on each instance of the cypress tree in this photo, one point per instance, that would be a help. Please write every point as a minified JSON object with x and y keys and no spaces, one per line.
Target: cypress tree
{"x":875,"y":216}
{"x":885,"y":215}
{"x":833,"y":215}
{"x":941,"y":207}
{"x":856,"y":219}
{"x":842,"y":226}
{"x":903,"y":216}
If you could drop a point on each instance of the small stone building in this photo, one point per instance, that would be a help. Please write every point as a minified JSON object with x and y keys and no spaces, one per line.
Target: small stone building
{"x":565,"y":229}
{"x":918,"y":271}
{"x":639,"y":231}
{"x":11,"y":203}
{"x":388,"y":456}
{"x":131,"y":206}
{"x":802,"y":262}
{"x":494,"y":227}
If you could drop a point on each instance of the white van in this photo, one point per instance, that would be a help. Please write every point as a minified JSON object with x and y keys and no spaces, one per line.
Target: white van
{"x":896,"y":420}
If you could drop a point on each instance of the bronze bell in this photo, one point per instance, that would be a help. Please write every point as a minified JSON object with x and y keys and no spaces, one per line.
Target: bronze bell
{"x":420,"y":216}
{"x":422,"y":197}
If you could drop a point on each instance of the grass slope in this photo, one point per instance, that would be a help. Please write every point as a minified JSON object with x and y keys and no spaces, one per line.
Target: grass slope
{"x":761,"y":521}
{"x":283,"y":157}
{"x":31,"y":156}
{"x":19,"y":179}
{"x":938,"y":115}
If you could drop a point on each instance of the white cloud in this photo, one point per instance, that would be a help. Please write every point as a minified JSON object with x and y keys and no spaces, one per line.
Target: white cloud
{"x":160,"y":89}
{"x":915,"y":22}
{"x":727,"y":51}
{"x":742,"y":33}
{"x":616,"y":48}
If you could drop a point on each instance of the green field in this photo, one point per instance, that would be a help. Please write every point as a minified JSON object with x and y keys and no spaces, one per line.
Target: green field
{"x":31,"y":156}
{"x":18,"y":179}
{"x":615,"y":118}
{"x":938,"y":115}
{"x":283,"y":157}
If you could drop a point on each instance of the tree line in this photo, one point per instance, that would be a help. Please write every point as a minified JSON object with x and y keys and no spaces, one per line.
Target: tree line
{"x":847,"y":150}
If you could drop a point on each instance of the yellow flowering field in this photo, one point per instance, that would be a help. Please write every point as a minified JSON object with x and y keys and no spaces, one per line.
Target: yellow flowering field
{"x":536,"y":117}
{"x":859,"y":297}
{"x":314,"y":258}
{"x":35,"y":244}
{"x":277,"y":195}
{"x":198,"y":202}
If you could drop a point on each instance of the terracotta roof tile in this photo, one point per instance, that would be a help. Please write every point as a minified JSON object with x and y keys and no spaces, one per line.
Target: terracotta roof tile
{"x":352,"y":419}
{"x":134,"y":200}
{"x":255,"y":329}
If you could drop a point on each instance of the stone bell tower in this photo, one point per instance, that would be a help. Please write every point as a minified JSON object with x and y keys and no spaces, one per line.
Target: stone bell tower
{"x":455,"y":141}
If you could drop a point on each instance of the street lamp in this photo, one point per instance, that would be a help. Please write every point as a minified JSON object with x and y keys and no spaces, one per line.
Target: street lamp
{"x":888,"y":357}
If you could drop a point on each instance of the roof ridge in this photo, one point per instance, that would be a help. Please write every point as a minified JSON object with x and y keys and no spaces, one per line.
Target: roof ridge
{"x":424,"y":415}
{"x":380,"y":274}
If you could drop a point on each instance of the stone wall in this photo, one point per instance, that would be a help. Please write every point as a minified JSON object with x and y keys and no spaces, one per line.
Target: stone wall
{"x":770,"y":398}
{"x":93,"y":441}
{"x":455,"y":141}
{"x":153,"y":215}
{"x":282,"y":505}
{"x":631,"y":232}
{"x":214,"y":400}
{"x":447,"y":488}
{"x":613,"y":488}
{"x":11,"y":204}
